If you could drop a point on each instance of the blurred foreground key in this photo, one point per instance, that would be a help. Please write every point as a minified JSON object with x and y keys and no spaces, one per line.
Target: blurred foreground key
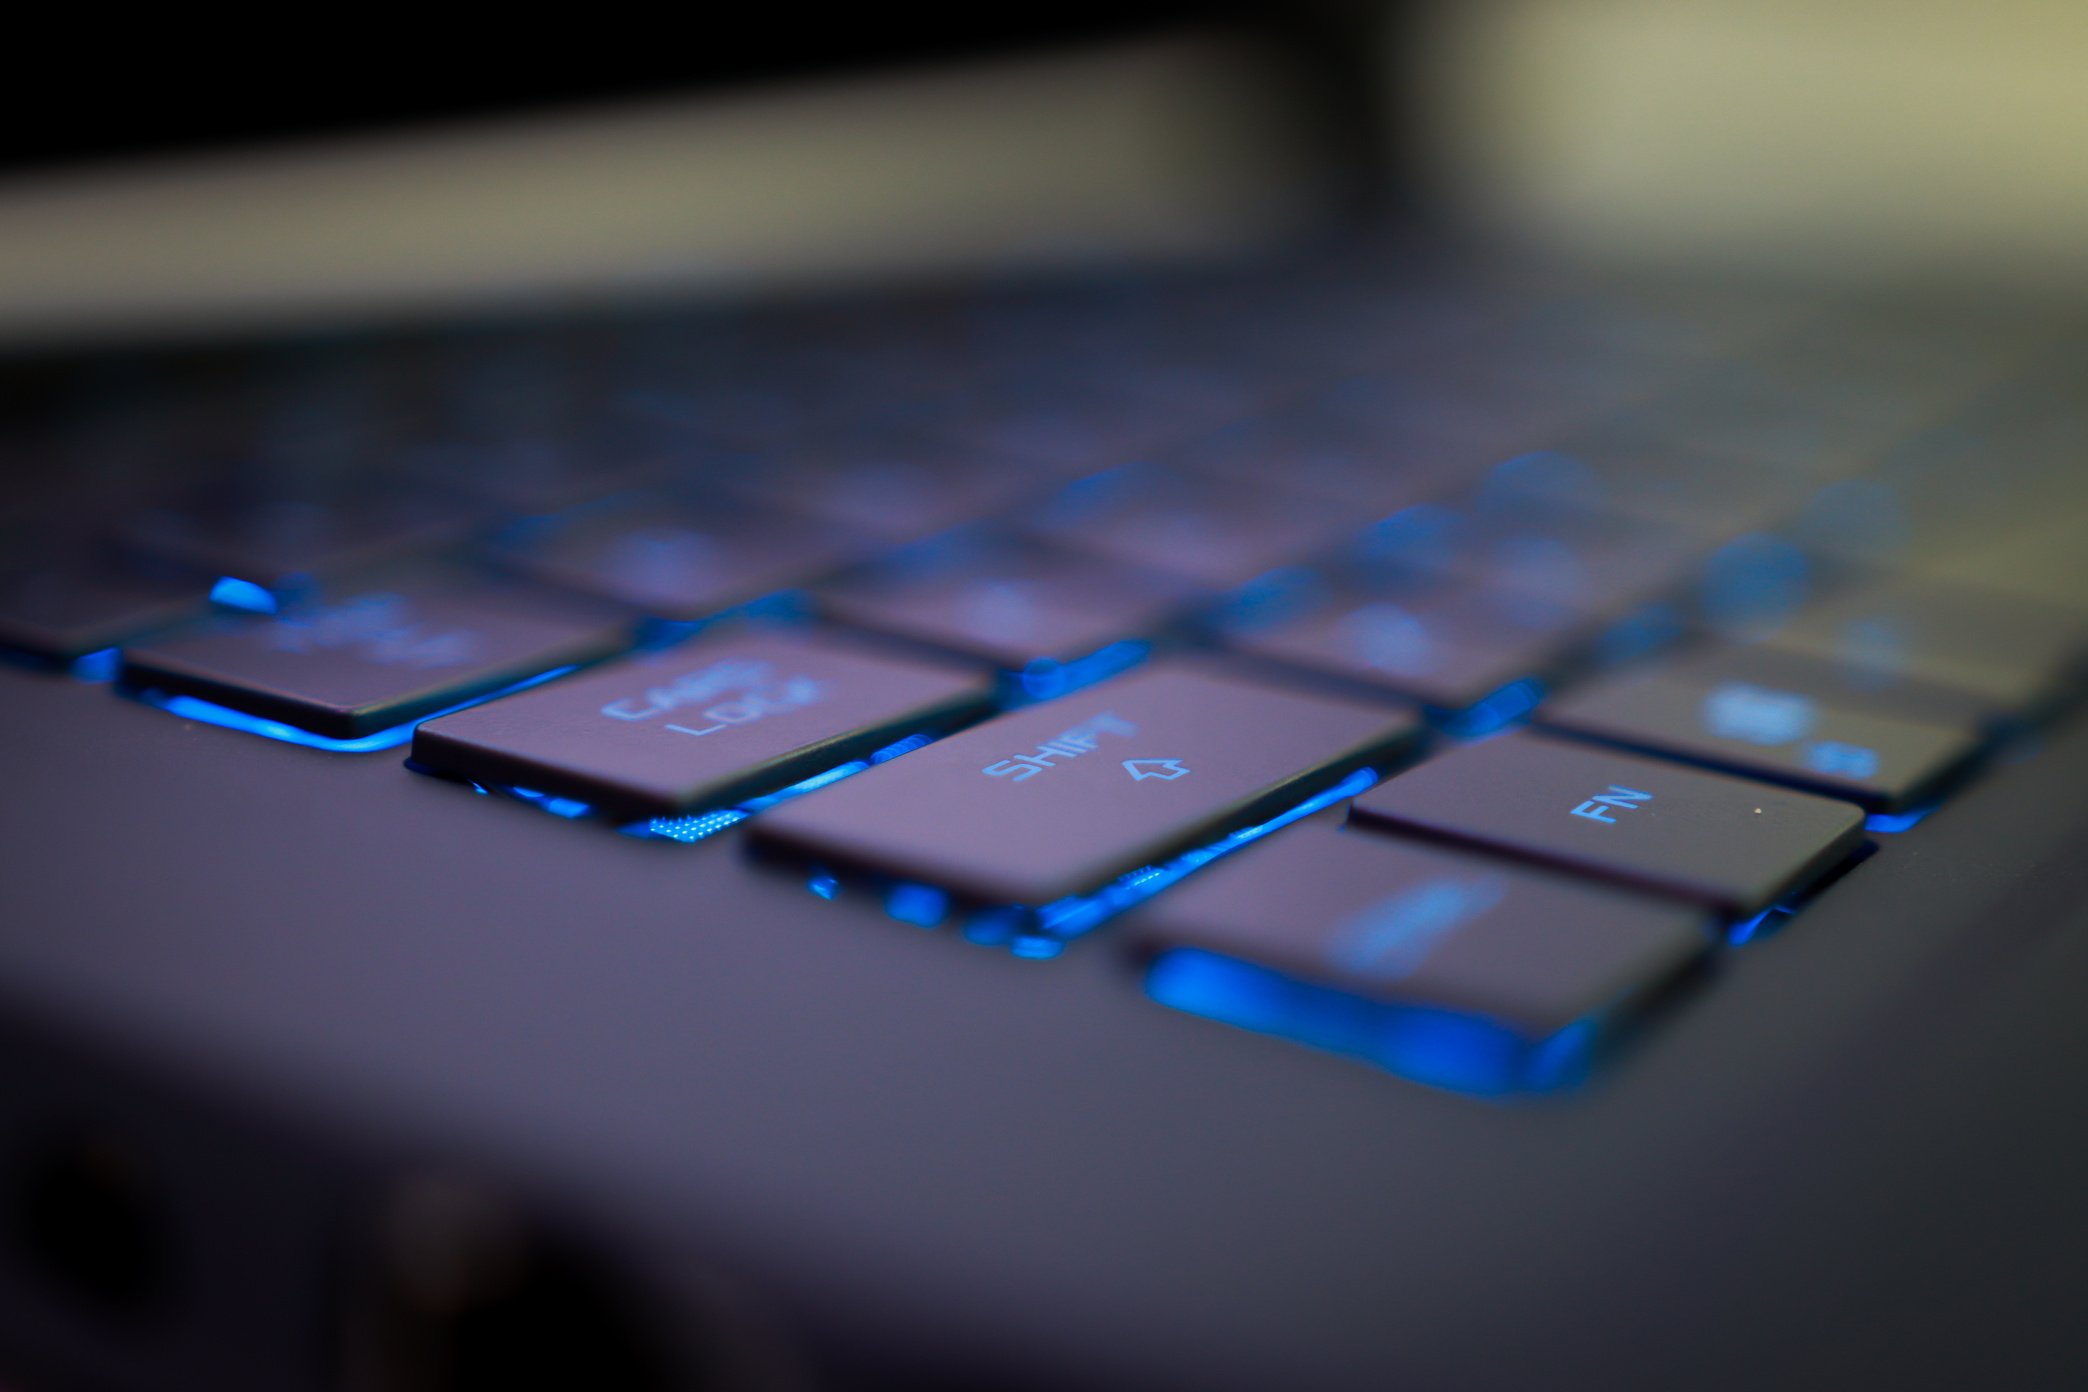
{"x":1058,"y":799}
{"x":1417,"y":931}
{"x":1724,"y":842}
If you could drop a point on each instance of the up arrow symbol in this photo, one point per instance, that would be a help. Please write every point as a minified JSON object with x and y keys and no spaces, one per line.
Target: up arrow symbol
{"x":1142,"y":769}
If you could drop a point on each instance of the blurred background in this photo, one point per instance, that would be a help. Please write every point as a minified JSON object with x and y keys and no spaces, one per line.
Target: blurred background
{"x":219,"y":182}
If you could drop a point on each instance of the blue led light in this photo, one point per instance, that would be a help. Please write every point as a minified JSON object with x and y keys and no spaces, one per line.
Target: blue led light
{"x":823,"y":885}
{"x":693,"y":828}
{"x":566,"y":807}
{"x":1271,"y":598}
{"x":1047,"y":678}
{"x":1497,"y":711}
{"x":230,"y":592}
{"x":921,"y":905}
{"x":1035,"y":947}
{"x":99,"y":666}
{"x":1077,"y":914}
{"x":210,"y":713}
{"x":1747,"y":928}
{"x":1892,"y":823}
{"x":898,"y":748}
{"x":782,"y":607}
{"x":1457,"y":1052}
{"x":1768,"y":921}
{"x":812,"y":784}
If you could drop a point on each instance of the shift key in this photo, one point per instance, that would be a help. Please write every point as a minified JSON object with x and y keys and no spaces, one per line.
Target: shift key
{"x":1727,"y":843}
{"x":1059,"y":799}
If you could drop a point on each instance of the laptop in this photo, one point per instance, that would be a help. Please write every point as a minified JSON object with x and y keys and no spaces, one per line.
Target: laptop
{"x":1347,"y":807}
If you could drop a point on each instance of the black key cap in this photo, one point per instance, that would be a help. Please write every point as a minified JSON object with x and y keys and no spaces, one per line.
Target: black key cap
{"x":1058,"y":799}
{"x":1792,"y":734}
{"x":1601,"y":565}
{"x":679,"y":559}
{"x":1063,"y":425}
{"x":1734,"y":845}
{"x":282,"y":542}
{"x":1406,"y":924}
{"x":1449,"y":647}
{"x":1215,"y":532}
{"x":1020,"y":604}
{"x":59,"y":601}
{"x":1324,"y":457}
{"x":895,"y":489}
{"x":704,"y":724}
{"x":1868,"y":689}
{"x":1618,"y":470}
{"x":2011,"y":653}
{"x":376,"y":655}
{"x":529,"y":477}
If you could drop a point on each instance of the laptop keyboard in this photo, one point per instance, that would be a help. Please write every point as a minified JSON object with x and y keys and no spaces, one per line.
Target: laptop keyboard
{"x":1519,"y":642}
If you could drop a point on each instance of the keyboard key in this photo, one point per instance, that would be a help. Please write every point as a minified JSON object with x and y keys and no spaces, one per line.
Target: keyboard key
{"x":1015,"y":602}
{"x":1072,"y":426}
{"x":1602,"y":566}
{"x":375,"y":655}
{"x":1751,"y":723}
{"x":1211,"y":531}
{"x":704,"y":724}
{"x":1733,"y":845}
{"x":2012,"y":653}
{"x":1325,"y":457}
{"x":1403,"y":923}
{"x":60,"y":601}
{"x":530,"y":477}
{"x":1059,"y":799}
{"x":681,"y":559}
{"x":1611,"y":469}
{"x":894,"y":489}
{"x":282,"y":542}
{"x":1448,"y":647}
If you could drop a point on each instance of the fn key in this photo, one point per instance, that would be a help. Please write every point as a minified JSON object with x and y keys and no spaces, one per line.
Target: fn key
{"x":1723,"y":842}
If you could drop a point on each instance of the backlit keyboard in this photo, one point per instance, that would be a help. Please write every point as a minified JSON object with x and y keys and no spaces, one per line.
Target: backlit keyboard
{"x":1433,"y":666}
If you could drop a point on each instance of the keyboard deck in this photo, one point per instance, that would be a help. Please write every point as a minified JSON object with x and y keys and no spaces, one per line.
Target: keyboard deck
{"x":1431,"y":665}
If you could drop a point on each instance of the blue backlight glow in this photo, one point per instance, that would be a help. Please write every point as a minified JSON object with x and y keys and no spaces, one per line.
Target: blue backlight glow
{"x":210,"y":713}
{"x":1496,"y":711}
{"x":566,"y":807}
{"x":1893,"y":823}
{"x":1445,"y":1049}
{"x":692,"y":828}
{"x":809,"y":785}
{"x":898,"y":748}
{"x":924,"y":906}
{"x":99,"y":666}
{"x":782,"y":607}
{"x":230,"y":592}
{"x":687,"y":828}
{"x":1761,"y":925}
{"x":1047,"y":678}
